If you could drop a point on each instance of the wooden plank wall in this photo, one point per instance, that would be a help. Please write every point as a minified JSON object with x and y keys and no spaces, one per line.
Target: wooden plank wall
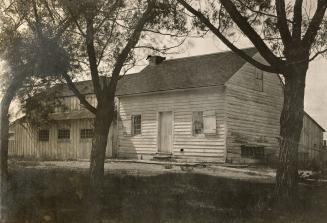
{"x":182,"y":104}
{"x":71,"y":103}
{"x":311,"y":142}
{"x":25,"y":143}
{"x":253,"y":117}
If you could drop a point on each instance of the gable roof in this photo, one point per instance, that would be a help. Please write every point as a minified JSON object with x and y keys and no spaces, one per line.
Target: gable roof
{"x":189,"y":72}
{"x":182,"y":73}
{"x":314,"y":121}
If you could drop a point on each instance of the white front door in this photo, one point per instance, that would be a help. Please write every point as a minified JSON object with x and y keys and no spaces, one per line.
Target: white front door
{"x":165,"y":132}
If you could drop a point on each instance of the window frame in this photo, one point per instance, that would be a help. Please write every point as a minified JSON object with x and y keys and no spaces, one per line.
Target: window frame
{"x":62,"y":137}
{"x":133,"y":116}
{"x":259,"y":74}
{"x":253,"y":152}
{"x":87,"y":135}
{"x":41,"y":137}
{"x":193,"y":124}
{"x":11,"y":136}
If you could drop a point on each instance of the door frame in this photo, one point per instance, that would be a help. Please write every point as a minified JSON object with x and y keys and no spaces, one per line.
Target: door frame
{"x":172,"y":130}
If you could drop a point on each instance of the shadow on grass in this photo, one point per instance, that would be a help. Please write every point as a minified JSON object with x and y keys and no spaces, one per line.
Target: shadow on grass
{"x":60,"y":196}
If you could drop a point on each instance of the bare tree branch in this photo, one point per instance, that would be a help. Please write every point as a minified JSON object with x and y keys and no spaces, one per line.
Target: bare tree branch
{"x":106,"y":43}
{"x":78,"y":94}
{"x":252,"y":34}
{"x":162,"y":49}
{"x":92,"y":57}
{"x":314,"y":25}
{"x":133,"y":39}
{"x":110,"y":12}
{"x":297,"y":18}
{"x":317,"y":54}
{"x":282,"y":22}
{"x":38,"y":23}
{"x":230,"y":45}
{"x":63,"y":27}
{"x":260,"y":12}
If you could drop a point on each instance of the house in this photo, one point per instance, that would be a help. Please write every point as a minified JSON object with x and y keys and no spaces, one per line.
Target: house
{"x":214,"y":107}
{"x":67,"y":135}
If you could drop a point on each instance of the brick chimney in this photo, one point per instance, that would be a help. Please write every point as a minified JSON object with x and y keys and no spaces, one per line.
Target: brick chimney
{"x":155,"y":60}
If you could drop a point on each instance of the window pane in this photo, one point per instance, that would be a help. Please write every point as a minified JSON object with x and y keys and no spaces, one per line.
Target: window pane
{"x":64,"y":134}
{"x":197,"y":123}
{"x":259,"y":74}
{"x":87,"y":133}
{"x":259,"y":79}
{"x":253,"y":152}
{"x":11,"y":136}
{"x":136,"y":124}
{"x":44,"y":135}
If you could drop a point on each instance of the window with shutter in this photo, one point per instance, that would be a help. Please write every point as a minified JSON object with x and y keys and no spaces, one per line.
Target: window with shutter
{"x":127,"y":126}
{"x":209,"y":121}
{"x":197,"y":123}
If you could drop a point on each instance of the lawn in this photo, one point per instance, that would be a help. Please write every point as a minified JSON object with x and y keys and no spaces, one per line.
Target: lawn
{"x":59,"y":195}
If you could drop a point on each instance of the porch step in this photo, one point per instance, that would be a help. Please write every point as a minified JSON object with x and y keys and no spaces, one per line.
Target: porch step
{"x":163,"y":157}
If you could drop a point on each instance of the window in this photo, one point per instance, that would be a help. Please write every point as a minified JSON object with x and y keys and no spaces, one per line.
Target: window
{"x":136,"y":124}
{"x":259,"y":79}
{"x":64,"y":134}
{"x":11,"y":136}
{"x":197,"y":122}
{"x":62,"y":104}
{"x":256,"y":152}
{"x":209,"y":122}
{"x":44,"y":135}
{"x":86,"y":133}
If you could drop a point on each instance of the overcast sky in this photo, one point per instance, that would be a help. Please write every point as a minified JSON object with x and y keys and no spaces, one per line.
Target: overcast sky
{"x":315,"y":101}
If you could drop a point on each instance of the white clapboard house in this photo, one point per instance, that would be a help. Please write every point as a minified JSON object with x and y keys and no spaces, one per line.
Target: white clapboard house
{"x":214,"y":107}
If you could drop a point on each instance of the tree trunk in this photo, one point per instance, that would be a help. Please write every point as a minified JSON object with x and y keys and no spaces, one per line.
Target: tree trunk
{"x":10,"y":93}
{"x":4,"y":133}
{"x":103,"y":120}
{"x":291,"y":123}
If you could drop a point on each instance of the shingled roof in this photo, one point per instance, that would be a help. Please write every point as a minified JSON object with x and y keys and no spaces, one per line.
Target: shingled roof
{"x":182,"y":73}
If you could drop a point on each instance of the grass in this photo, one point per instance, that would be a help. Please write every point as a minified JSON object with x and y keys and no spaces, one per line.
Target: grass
{"x":59,"y":195}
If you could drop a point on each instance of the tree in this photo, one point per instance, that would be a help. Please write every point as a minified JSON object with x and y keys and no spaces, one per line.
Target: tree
{"x":102,"y":43}
{"x":289,"y":39}
{"x":26,"y":60}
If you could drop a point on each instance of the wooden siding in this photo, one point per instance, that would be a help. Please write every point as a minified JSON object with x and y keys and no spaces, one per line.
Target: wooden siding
{"x":247,"y":112}
{"x":25,"y":143}
{"x":182,"y":104}
{"x":71,"y":103}
{"x":253,"y":116}
{"x":311,"y":142}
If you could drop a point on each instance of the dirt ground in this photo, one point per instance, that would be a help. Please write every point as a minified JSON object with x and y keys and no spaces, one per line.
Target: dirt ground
{"x":152,"y":168}
{"x":56,"y":192}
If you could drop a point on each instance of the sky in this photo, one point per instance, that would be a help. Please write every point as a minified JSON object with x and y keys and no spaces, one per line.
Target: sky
{"x":315,"y":101}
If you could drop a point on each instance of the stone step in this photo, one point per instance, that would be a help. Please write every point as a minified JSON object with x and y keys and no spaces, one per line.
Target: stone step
{"x":163,"y":157}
